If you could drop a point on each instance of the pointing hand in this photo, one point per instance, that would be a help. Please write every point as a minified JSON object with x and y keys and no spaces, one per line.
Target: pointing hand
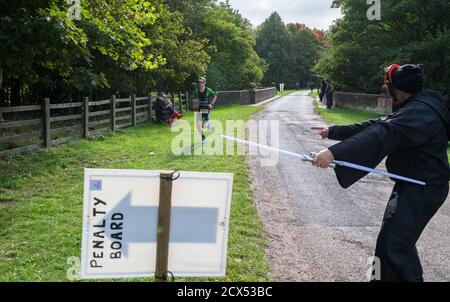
{"x":323,"y":131}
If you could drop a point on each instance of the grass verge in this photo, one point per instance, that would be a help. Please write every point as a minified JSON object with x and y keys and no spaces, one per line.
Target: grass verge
{"x":286,"y":92}
{"x":343,"y":116}
{"x":41,"y":200}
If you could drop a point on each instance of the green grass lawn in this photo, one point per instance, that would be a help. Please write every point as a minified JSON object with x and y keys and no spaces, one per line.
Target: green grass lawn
{"x":41,"y":200}
{"x":286,"y":92}
{"x":343,"y":116}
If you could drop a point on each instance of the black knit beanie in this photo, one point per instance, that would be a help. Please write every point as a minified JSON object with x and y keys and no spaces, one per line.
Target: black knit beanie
{"x":409,"y":78}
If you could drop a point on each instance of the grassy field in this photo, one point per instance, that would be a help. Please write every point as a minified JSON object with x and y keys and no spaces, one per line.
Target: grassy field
{"x":343,"y":116}
{"x":286,"y":92}
{"x":41,"y":200}
{"x":314,"y":94}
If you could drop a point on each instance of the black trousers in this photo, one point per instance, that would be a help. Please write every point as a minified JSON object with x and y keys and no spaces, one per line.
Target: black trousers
{"x":321,"y":95}
{"x":329,"y":101}
{"x":409,"y":210}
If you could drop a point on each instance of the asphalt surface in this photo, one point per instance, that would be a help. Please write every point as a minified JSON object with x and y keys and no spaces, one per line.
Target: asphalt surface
{"x":316,"y":230}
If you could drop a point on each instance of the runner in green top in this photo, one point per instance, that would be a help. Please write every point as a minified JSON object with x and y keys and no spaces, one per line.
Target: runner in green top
{"x":206,"y":98}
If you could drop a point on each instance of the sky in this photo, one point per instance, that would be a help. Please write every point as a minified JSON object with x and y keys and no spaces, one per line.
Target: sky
{"x":313,"y":13}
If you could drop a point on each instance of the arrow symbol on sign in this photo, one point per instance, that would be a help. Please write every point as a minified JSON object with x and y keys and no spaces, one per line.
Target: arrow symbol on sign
{"x":188,"y":224}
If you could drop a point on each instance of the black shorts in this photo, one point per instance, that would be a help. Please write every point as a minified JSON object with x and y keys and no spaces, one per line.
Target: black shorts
{"x":205,"y":115}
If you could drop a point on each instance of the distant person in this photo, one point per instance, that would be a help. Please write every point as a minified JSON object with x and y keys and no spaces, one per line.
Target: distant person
{"x":329,"y":94}
{"x":206,"y":99}
{"x":165,"y":113}
{"x":160,"y":113}
{"x":323,"y":88}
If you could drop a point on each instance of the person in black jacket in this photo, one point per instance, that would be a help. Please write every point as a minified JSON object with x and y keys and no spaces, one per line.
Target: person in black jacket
{"x":329,"y":94}
{"x":323,"y":87}
{"x":415,"y":139}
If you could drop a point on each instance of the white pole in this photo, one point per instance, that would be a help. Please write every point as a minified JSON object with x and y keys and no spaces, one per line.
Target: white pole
{"x":334,"y":164}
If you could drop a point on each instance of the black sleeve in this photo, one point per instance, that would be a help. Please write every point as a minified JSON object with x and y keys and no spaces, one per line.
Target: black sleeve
{"x":407,"y":129}
{"x":340,"y":133}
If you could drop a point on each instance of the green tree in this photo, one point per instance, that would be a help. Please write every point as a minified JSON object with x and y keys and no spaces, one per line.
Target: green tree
{"x":305,"y":45}
{"x":184,"y":53}
{"x":410,"y":31}
{"x":127,"y":46}
{"x":234,"y":62}
{"x":290,"y":51}
{"x":44,"y":53}
{"x":228,"y":39}
{"x":272,"y":44}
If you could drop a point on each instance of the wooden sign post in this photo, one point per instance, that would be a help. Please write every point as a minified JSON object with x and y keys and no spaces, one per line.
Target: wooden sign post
{"x":163,"y":229}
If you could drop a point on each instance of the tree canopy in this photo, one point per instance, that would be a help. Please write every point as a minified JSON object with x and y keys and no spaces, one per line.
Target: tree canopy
{"x":410,"y":31}
{"x":290,"y":51}
{"x":137,"y":46}
{"x":127,"y":46}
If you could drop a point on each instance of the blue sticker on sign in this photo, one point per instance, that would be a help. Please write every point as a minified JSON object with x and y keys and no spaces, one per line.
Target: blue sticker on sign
{"x":96,"y":185}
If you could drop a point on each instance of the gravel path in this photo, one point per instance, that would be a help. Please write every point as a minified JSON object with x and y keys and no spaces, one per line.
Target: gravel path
{"x":316,"y":230}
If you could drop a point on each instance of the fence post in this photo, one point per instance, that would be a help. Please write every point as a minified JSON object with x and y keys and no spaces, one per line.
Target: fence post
{"x":163,"y":226}
{"x":187,"y":101}
{"x":181,"y":102}
{"x":113,"y":113}
{"x":133,"y":109}
{"x":46,"y":123}
{"x":86,"y":118}
{"x":150,"y":107}
{"x":173,"y":99}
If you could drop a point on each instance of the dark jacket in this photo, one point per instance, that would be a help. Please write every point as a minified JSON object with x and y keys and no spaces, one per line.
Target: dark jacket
{"x":323,"y":87}
{"x":329,"y":89}
{"x":414,"y":138}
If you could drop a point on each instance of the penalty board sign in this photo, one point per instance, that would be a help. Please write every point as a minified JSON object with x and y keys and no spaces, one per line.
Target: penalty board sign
{"x":120,"y":219}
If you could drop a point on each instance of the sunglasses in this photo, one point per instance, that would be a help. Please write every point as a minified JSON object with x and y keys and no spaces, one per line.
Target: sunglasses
{"x":201,"y":82}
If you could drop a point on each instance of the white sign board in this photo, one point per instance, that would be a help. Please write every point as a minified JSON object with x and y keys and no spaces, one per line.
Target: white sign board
{"x":120,"y":221}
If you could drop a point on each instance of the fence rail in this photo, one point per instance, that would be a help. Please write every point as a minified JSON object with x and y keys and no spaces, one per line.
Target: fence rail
{"x":20,"y":108}
{"x":50,"y":125}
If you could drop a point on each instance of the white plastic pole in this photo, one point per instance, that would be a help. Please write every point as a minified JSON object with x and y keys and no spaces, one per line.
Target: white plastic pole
{"x":333,"y":165}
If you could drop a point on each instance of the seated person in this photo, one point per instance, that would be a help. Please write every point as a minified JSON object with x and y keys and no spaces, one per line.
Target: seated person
{"x":172,"y":112}
{"x":165,"y":113}
{"x":158,"y":105}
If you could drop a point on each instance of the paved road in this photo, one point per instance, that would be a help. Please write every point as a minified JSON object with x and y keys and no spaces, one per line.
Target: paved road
{"x":316,"y":230}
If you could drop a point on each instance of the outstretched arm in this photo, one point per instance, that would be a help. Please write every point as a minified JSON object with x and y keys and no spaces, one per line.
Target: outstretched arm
{"x":409,"y":129}
{"x":340,"y":133}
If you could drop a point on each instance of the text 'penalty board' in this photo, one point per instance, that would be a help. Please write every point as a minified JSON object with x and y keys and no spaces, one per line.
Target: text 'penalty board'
{"x":120,"y":224}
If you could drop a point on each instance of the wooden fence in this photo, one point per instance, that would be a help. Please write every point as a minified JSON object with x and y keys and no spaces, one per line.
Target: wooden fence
{"x":54,"y":124}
